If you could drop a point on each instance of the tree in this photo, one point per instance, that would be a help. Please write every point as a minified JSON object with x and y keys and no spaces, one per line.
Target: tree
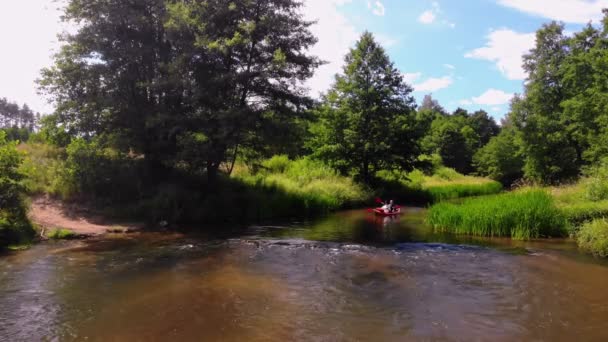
{"x":551,"y":153}
{"x":366,"y":120}
{"x":182,"y":82}
{"x":501,"y":158}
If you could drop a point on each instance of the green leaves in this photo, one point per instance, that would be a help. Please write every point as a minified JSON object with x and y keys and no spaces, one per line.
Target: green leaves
{"x":365,"y":122}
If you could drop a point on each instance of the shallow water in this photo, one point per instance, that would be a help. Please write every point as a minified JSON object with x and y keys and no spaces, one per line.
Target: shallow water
{"x":349,"y":277}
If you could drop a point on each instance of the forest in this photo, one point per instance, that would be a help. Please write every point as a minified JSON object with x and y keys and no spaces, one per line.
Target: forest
{"x":175,"y":110}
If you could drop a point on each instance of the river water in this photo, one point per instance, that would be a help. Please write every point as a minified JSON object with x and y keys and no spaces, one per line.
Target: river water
{"x":349,"y":277}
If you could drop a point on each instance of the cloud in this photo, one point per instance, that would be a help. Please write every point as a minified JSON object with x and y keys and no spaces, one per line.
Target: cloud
{"x":377,"y":7}
{"x":427,"y":17}
{"x":434,"y":84}
{"x":336,"y":35}
{"x":505,"y":48}
{"x":491,"y":97}
{"x":386,"y":41}
{"x":410,"y":78}
{"x":449,"y":66}
{"x":570,"y":11}
{"x":465,"y":102}
{"x":496,"y":109}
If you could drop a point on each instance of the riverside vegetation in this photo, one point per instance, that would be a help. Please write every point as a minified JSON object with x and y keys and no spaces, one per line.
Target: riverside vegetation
{"x":211,"y":115}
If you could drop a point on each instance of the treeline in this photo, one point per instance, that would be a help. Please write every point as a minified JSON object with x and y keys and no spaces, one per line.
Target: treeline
{"x":158,"y":101}
{"x":558,"y":127}
{"x":17,"y":122}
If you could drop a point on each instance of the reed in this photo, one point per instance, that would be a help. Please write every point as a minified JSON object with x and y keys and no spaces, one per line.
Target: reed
{"x":522,"y":215}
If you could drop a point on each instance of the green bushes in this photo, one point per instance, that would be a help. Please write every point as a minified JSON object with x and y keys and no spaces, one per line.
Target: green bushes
{"x":521,"y":215}
{"x":593,"y":237}
{"x":14,"y":225}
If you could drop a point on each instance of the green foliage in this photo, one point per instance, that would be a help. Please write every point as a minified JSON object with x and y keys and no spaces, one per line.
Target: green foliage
{"x":521,"y":215}
{"x":310,"y":185}
{"x":596,"y":184}
{"x":562,"y":114}
{"x":183,"y":84}
{"x":45,"y":170}
{"x":593,"y":237}
{"x":456,"y":138}
{"x":501,"y":159}
{"x":14,"y":225}
{"x":416,"y":187}
{"x":453,"y":191}
{"x":365,"y":123}
{"x":61,"y":234}
{"x":574,"y":202}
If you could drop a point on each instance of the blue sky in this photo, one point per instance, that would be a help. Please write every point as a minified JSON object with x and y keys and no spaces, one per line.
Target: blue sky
{"x":466,"y":53}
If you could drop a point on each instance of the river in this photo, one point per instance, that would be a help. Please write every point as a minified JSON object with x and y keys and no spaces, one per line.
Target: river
{"x":348,"y":277}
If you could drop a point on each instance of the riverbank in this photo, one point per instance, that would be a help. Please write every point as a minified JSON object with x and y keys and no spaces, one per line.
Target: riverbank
{"x":52,"y":215}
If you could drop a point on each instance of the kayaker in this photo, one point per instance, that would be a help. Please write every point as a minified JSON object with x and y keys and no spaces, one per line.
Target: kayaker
{"x":389,"y":207}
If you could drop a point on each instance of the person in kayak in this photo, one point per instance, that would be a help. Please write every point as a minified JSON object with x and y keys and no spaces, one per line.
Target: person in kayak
{"x":388,"y":207}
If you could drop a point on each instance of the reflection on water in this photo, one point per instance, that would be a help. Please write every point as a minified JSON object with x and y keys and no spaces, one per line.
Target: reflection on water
{"x":349,"y":277}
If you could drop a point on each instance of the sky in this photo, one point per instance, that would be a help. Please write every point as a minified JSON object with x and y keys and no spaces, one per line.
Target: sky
{"x":466,"y":53}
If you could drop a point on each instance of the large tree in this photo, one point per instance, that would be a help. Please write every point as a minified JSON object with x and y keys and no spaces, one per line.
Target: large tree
{"x":182,"y":82}
{"x":366,"y":120}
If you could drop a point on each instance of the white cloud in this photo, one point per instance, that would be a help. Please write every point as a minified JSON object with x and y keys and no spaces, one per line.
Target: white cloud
{"x":336,"y":35}
{"x":496,"y":109}
{"x":377,"y":7}
{"x":505,"y":48}
{"x":491,"y":97}
{"x":29,"y":39}
{"x":449,"y":66}
{"x":410,"y":78}
{"x":427,"y":17}
{"x":570,"y":11}
{"x":386,"y":41}
{"x":465,"y":102}
{"x":433,"y":84}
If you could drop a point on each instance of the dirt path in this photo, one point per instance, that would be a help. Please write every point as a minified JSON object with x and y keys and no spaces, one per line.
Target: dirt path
{"x":53,"y":214}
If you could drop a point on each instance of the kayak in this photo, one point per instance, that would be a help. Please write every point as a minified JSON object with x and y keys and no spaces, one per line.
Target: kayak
{"x":382,"y":212}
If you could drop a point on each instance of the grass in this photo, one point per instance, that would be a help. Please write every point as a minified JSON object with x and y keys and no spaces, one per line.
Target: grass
{"x":297,"y":187}
{"x":593,"y":237}
{"x":522,"y":215}
{"x":61,"y":234}
{"x":445,"y":184}
{"x":576,"y":204}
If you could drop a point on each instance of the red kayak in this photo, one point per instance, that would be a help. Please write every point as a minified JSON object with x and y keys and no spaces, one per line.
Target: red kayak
{"x":382,"y":212}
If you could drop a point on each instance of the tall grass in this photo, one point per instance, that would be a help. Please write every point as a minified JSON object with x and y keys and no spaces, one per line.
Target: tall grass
{"x":520,"y":215}
{"x":593,"y":237}
{"x":444,"y":184}
{"x":300,"y":187}
{"x":577,"y":204}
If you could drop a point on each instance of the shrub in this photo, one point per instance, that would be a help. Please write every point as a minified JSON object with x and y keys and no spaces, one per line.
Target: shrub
{"x":522,"y":215}
{"x":596,"y":184}
{"x":593,"y":237}
{"x":14,"y":225}
{"x":61,"y":234}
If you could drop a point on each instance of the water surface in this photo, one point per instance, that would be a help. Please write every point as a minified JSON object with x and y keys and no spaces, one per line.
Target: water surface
{"x":349,"y":277}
